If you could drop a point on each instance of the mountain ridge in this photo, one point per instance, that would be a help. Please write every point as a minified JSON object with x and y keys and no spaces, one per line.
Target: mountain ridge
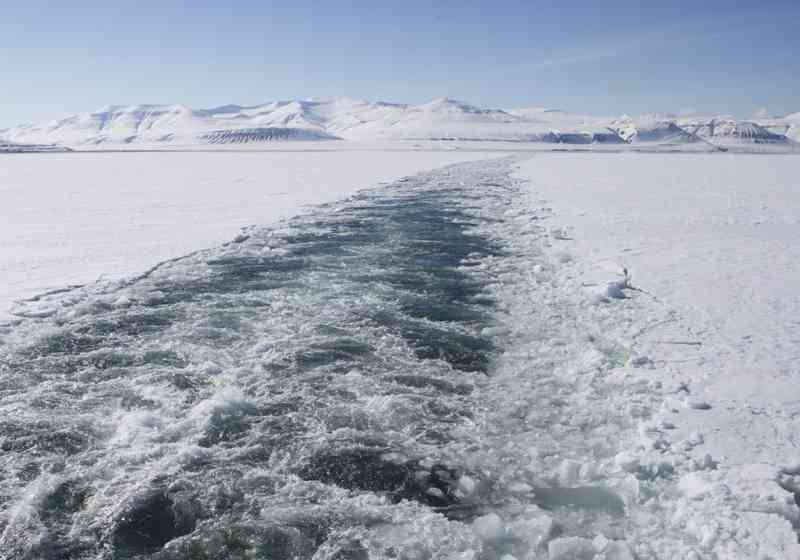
{"x":345,"y":118}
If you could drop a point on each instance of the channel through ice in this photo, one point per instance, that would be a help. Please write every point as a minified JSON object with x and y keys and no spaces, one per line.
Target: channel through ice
{"x":405,"y":373}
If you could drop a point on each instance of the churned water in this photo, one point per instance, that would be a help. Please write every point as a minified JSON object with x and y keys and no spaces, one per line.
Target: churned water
{"x":283,"y":396}
{"x":336,"y":387}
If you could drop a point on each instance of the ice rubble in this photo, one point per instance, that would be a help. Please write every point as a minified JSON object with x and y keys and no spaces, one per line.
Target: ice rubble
{"x":713,"y":480}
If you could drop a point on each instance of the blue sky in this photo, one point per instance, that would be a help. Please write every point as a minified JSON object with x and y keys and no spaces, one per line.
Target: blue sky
{"x":599,"y":57}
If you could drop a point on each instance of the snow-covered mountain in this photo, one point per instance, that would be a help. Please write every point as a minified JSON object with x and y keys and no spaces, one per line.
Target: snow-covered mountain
{"x":793,"y":130}
{"x":172,"y":124}
{"x":353,"y":119}
{"x":653,"y":130}
{"x":440,"y":119}
{"x":729,"y":131}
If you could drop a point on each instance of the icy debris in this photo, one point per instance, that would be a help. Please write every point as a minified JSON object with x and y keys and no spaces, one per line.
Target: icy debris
{"x":520,"y":488}
{"x":154,"y":297}
{"x":637,"y":410}
{"x":122,"y":301}
{"x":696,"y":438}
{"x":776,"y":536}
{"x":672,"y":404}
{"x":489,"y":528}
{"x":617,"y":551}
{"x":569,"y":472}
{"x":627,"y":461}
{"x":705,"y":463}
{"x":495,"y":331}
{"x":628,"y":490}
{"x":263,"y":347}
{"x":435,"y":492}
{"x":533,"y":528}
{"x":562,"y":234}
{"x":654,"y":466}
{"x":33,"y":312}
{"x":792,"y":468}
{"x":467,"y":485}
{"x":761,"y":487}
{"x":790,"y":483}
{"x":611,"y":550}
{"x":571,"y":548}
{"x":616,"y":289}
{"x":210,"y":368}
{"x":641,"y":362}
{"x":600,"y":542}
{"x":696,"y":403}
{"x":697,"y":485}
{"x":590,"y":471}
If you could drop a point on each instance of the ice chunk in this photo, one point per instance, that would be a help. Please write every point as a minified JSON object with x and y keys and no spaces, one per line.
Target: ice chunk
{"x":706,"y":462}
{"x":775,"y":534}
{"x":569,"y":472}
{"x":627,"y":461}
{"x":696,"y":403}
{"x":612,"y":550}
{"x":263,"y":347}
{"x":615,"y":290}
{"x":489,"y":527}
{"x":495,"y":331}
{"x":210,"y":368}
{"x":589,"y":471}
{"x":792,"y":468}
{"x":571,"y":548}
{"x":696,"y":486}
{"x":122,"y":301}
{"x":696,"y":438}
{"x":466,"y":485}
{"x":532,"y":528}
{"x":641,"y":362}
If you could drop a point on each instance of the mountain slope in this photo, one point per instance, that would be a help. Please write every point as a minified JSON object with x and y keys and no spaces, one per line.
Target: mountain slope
{"x":315,"y":119}
{"x":653,"y":131}
{"x":170,"y":124}
{"x":729,"y":131}
{"x":355,"y":119}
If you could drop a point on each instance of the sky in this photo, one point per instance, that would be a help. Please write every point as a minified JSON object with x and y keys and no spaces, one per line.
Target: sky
{"x":595,"y":57}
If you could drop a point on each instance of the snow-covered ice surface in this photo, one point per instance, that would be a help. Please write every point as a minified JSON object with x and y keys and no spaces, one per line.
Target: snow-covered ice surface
{"x":69,"y":218}
{"x":450,"y":366}
{"x":715,"y":242}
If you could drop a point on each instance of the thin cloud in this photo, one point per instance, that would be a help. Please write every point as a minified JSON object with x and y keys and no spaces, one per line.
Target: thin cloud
{"x":645,"y":40}
{"x":571,"y":60}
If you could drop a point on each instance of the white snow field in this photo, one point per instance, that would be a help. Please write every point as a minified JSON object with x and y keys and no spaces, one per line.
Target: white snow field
{"x":71,"y":218}
{"x":714,"y":242}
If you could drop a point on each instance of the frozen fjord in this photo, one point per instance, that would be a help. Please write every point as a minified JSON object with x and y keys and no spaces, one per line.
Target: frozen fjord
{"x":408,"y":373}
{"x":72,"y":218}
